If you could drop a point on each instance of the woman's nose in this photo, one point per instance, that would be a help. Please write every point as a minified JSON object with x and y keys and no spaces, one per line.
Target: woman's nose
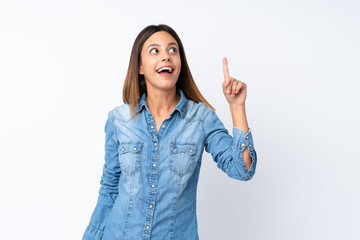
{"x":166,"y":57}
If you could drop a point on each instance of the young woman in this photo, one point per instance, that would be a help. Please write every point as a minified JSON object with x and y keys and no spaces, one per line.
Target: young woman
{"x":155,"y":141}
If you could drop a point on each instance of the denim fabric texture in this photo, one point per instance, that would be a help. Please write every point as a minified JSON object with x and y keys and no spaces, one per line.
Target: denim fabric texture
{"x":149,"y":181}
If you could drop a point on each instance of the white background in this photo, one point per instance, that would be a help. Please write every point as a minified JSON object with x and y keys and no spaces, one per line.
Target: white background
{"x":62,"y":67}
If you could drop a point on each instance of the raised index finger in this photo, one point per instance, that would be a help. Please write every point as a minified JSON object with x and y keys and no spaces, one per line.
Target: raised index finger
{"x":226,"y":69}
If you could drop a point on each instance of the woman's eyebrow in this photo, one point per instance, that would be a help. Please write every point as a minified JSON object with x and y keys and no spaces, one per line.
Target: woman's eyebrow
{"x":172,"y":43}
{"x":158,"y":45}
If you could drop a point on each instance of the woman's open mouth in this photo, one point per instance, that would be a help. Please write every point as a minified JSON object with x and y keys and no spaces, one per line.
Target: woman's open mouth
{"x":165,"y":71}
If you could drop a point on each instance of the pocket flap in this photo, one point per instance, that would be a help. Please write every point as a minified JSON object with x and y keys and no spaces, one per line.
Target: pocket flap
{"x":130,"y":147}
{"x":189,"y":149}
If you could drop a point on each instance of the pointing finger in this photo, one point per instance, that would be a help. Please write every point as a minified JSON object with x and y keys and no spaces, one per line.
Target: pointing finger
{"x":225,"y":69}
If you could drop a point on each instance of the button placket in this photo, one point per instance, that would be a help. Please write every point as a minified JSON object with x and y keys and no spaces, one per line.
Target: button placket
{"x":154,"y":174}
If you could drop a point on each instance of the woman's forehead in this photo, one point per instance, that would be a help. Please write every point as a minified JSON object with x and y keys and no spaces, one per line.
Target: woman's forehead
{"x":160,"y":38}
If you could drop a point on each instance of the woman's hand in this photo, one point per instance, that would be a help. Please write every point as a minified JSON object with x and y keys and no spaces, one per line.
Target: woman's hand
{"x":234,"y":90}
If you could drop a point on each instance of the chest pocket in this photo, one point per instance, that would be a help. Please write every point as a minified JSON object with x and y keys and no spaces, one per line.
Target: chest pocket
{"x":182,"y":158}
{"x":130,"y":157}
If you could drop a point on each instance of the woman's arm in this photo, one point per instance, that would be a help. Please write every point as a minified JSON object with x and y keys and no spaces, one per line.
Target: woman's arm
{"x":109,"y":184}
{"x":235,"y":154}
{"x":235,"y":93}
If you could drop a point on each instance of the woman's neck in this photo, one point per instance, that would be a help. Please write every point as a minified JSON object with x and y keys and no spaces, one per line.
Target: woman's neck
{"x":162,"y":103}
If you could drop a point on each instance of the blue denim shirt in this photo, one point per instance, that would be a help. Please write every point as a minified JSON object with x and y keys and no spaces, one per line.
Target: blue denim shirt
{"x":149,"y":180}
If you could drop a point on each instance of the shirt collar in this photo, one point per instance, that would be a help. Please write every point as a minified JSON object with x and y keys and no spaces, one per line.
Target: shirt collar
{"x":180,"y":107}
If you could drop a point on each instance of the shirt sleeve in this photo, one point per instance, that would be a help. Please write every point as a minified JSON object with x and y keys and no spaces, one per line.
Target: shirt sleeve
{"x":226,"y":150}
{"x":108,"y":184}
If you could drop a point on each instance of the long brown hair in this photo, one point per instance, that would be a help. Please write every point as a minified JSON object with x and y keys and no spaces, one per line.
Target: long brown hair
{"x":135,"y":86}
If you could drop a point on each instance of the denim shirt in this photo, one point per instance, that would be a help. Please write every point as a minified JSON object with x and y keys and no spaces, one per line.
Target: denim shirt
{"x":149,"y":181}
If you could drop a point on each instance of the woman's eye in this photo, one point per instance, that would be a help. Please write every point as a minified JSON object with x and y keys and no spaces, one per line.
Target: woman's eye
{"x":173,"y":50}
{"x":154,"y":50}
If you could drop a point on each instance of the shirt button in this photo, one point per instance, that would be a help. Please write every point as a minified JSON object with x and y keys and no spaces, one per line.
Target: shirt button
{"x":175,"y":149}
{"x":190,"y":150}
{"x":247,"y":137}
{"x":243,"y":144}
{"x":249,"y":145}
{"x":154,"y":164}
{"x":134,"y":149}
{"x":163,"y":126}
{"x":153,"y":185}
{"x":147,"y":227}
{"x":155,"y":144}
{"x":150,"y":206}
{"x":151,"y":127}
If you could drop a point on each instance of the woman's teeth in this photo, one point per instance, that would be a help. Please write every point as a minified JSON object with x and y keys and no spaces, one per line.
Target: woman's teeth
{"x":165,"y":69}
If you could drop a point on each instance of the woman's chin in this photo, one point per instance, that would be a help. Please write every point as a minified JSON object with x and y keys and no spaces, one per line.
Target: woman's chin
{"x":162,"y":84}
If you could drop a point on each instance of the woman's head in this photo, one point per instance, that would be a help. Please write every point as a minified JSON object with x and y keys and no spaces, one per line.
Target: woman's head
{"x":160,"y":62}
{"x":135,"y":83}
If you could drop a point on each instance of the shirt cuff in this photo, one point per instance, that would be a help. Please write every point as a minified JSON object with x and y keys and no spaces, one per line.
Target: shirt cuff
{"x":242,"y":140}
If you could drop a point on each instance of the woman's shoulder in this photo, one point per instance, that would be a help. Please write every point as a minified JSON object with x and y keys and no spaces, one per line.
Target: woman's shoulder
{"x":196,"y":110}
{"x":121,"y":112}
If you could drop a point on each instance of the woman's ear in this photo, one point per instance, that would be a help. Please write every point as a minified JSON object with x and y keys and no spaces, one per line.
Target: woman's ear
{"x":140,"y":70}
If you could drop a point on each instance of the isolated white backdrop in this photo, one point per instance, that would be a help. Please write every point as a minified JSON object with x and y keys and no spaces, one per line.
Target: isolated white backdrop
{"x":62,"y":66}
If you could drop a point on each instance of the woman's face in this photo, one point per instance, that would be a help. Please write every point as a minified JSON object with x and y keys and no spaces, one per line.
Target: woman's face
{"x":160,"y":61}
